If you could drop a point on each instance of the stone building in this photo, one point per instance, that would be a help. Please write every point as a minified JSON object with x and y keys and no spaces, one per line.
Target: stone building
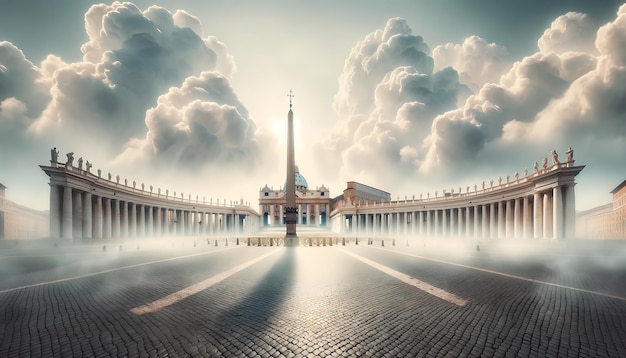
{"x":313,"y":204}
{"x":606,"y":221}
{"x":18,"y":222}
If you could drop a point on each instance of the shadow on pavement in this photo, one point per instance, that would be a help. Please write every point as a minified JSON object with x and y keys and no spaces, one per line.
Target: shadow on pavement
{"x":254,"y":313}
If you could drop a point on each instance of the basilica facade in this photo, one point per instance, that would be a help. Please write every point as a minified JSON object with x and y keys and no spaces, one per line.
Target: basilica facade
{"x":313,"y":205}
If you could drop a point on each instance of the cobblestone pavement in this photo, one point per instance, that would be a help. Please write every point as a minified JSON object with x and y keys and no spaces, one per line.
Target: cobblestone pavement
{"x":311,"y":301}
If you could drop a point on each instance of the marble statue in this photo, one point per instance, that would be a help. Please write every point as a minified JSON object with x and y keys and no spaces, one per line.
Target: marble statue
{"x":151,"y":188}
{"x":516,"y":176}
{"x":80,"y":163}
{"x":54,"y":155}
{"x":536,"y":167}
{"x":491,"y":183}
{"x":499,"y":180}
{"x":88,"y":166}
{"x":117,"y":179}
{"x":525,"y":172}
{"x":483,"y":184}
{"x":555,"y":157}
{"x":134,"y":184}
{"x":544,"y":162}
{"x":70,"y":158}
{"x":570,"y":155}
{"x":125,"y":182}
{"x":109,"y":176}
{"x":99,"y":173}
{"x":142,"y":186}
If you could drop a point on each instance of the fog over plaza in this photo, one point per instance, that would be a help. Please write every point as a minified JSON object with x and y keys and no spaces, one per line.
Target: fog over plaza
{"x":413,"y":98}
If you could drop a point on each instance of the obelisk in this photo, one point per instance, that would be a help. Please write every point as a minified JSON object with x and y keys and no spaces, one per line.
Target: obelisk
{"x":291,"y":211}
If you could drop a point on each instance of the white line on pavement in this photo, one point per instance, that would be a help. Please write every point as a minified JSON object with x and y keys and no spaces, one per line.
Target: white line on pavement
{"x":157,"y":305}
{"x":507,"y":275}
{"x":428,"y":288}
{"x":113,"y":270}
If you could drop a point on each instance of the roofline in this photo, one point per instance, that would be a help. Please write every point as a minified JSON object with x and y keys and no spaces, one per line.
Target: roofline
{"x":619,"y":187}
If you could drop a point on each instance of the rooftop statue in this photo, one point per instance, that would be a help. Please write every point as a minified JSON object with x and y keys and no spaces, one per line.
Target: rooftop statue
{"x":54,"y":155}
{"x":570,"y":155}
{"x":70,"y":159}
{"x":80,"y":163}
{"x":555,"y":157}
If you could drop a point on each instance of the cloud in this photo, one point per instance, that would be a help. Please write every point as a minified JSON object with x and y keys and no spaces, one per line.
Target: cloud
{"x":130,"y":58}
{"x":199,"y":124}
{"x":570,"y":32}
{"x":570,"y":93}
{"x":476,"y":61}
{"x":21,"y":81}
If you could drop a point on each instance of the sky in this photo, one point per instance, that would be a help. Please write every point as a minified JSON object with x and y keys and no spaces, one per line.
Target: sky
{"x":411,"y":97}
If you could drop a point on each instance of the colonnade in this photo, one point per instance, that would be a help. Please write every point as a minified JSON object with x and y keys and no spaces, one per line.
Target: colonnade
{"x":540,"y":205}
{"x":83,"y":205}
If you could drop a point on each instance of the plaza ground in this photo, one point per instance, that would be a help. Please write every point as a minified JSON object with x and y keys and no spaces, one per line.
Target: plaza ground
{"x":425,"y":299}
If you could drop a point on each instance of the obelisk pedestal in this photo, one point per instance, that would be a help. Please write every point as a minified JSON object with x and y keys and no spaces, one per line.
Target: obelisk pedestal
{"x":291,"y":211}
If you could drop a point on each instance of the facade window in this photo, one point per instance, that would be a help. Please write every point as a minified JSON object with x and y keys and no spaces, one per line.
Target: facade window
{"x":322,"y":193}
{"x":267,"y":194}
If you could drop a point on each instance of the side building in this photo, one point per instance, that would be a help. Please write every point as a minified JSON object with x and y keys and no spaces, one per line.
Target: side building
{"x":605,"y":222}
{"x":18,"y":222}
{"x":313,"y":204}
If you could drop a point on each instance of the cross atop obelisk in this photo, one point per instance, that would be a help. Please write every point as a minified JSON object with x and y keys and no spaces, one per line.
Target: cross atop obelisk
{"x":291,"y":211}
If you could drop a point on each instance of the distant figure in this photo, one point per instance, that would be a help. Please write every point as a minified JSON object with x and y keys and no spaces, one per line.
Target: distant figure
{"x":555,"y":157}
{"x":54,"y":155}
{"x":570,"y":155}
{"x":80,"y":163}
{"x":70,"y":158}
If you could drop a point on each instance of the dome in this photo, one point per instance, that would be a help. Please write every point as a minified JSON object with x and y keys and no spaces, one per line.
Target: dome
{"x":301,"y":183}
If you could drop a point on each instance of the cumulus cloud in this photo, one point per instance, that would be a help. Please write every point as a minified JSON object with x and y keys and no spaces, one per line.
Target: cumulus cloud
{"x":151,"y":88}
{"x":476,"y":61}
{"x":130,"y":58}
{"x":200,"y":123}
{"x":570,"y":93}
{"x":21,"y":81}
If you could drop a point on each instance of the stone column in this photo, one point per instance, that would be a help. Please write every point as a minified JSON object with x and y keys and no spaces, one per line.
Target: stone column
{"x":106,"y":203}
{"x":399,"y":224}
{"x":476,"y":222}
{"x":124,"y":219}
{"x":98,"y":217}
{"x":141,"y":230}
{"x":468,"y":222}
{"x":116,"y":218}
{"x":570,"y":212}
{"x":557,"y":213}
{"x":538,"y":215}
{"x":501,"y":220}
{"x":318,"y":215}
{"x":87,"y":216}
{"x":444,"y":223}
{"x":77,"y":214}
{"x":270,"y":220}
{"x":437,"y":230}
{"x":133,"y":219}
{"x":66,"y":224}
{"x":509,"y":219}
{"x":547,"y":215}
{"x":460,"y":225}
{"x":150,"y":226}
{"x":517,"y":218}
{"x":493,"y":224}
{"x":375,"y":224}
{"x":485,"y":221}
{"x":55,"y":208}
{"x":420,"y":227}
{"x":527,"y":218}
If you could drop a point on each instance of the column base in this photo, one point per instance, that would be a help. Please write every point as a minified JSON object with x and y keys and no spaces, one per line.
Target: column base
{"x":292,"y":240}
